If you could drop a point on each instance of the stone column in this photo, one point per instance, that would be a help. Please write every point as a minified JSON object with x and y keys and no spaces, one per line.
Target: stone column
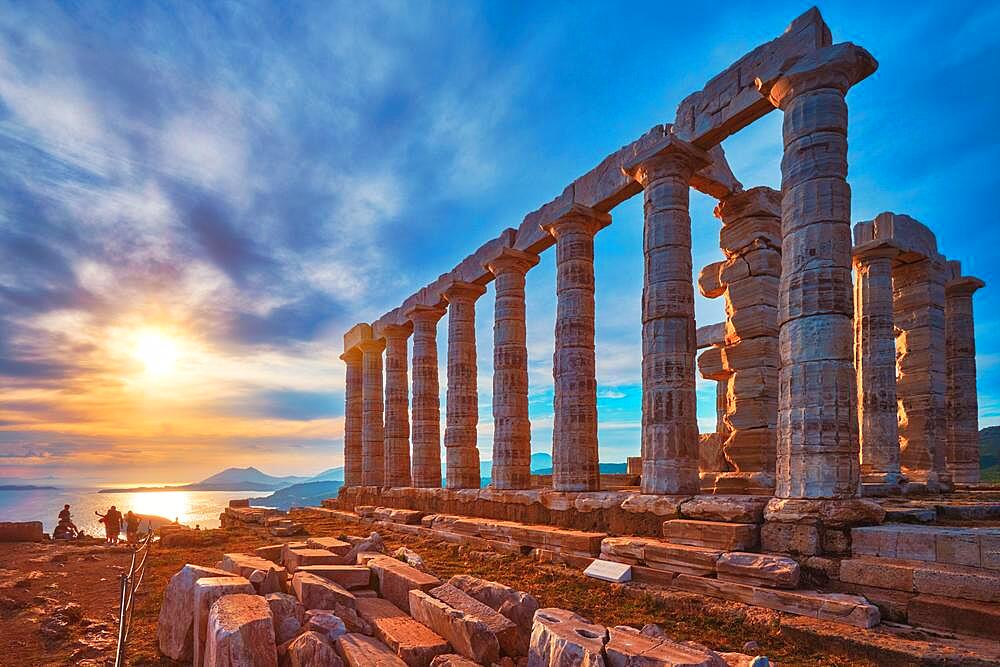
{"x":426,"y":429}
{"x":462,"y":456}
{"x":353,"y":420}
{"x":817,"y":445}
{"x":575,"y":465}
{"x":397,"y":402}
{"x":511,"y":427}
{"x":922,"y":370}
{"x":875,"y":358}
{"x":669,"y":344}
{"x":372,"y":429}
{"x":963,"y":403}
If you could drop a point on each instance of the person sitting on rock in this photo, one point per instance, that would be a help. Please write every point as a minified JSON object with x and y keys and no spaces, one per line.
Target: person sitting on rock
{"x":112,"y":525}
{"x":66,"y":530}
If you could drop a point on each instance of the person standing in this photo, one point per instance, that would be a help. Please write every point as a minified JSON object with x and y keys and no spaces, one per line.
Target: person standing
{"x":112,"y":524}
{"x":131,"y":526}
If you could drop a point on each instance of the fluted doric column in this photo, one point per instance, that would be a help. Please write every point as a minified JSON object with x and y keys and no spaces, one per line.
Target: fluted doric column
{"x":511,"y":427}
{"x":372,"y":427}
{"x":817,"y":447}
{"x":669,"y":345}
{"x":353,"y":420}
{"x":462,"y":456}
{"x":397,"y":402}
{"x":575,"y":464}
{"x":426,"y":426}
{"x":963,"y":402}
{"x":875,"y":358}
{"x":922,"y":370}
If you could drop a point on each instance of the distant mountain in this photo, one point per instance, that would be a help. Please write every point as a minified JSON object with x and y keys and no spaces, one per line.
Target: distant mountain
{"x":250,"y":475}
{"x":306,"y":494}
{"x":329,"y":475}
{"x":989,"y":447}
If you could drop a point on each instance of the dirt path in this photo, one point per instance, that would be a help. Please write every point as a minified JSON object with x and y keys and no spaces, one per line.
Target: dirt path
{"x":89,"y":577}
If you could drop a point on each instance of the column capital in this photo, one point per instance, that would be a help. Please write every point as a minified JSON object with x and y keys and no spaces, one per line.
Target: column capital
{"x":373,"y":345}
{"x":577,"y":217}
{"x":872,"y":250}
{"x":511,"y":260}
{"x":422,"y":313}
{"x":964,"y":286}
{"x":458,"y":290}
{"x":759,"y":201}
{"x":392,"y":330}
{"x":353,"y":355}
{"x":839,"y":66}
{"x":670,"y":156}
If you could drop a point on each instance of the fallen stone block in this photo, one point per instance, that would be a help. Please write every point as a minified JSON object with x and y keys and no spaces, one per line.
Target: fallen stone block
{"x":413,"y":642}
{"x":271,"y":552}
{"x":326,"y":623}
{"x":396,"y":579}
{"x":240,"y":633}
{"x":288,"y":615}
{"x":331,"y":544}
{"x":682,"y":558}
{"x":348,"y":576}
{"x":712,"y":534}
{"x":358,"y":650}
{"x":296,"y":558}
{"x":758,"y":569}
{"x":501,"y":626}
{"x":468,"y":635}
{"x":267,"y":581}
{"x":632,"y":548}
{"x":315,"y":592}
{"x":452,"y":660}
{"x":606,"y":570}
{"x":175,"y":627}
{"x":245,"y":564}
{"x":628,"y":647}
{"x":311,"y":649}
{"x":560,"y":637}
{"x":206,"y":591}
{"x":516,"y":605}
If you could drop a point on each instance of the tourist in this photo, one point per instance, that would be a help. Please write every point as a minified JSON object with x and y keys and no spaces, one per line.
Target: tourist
{"x":66,"y":530}
{"x":112,"y":524}
{"x":131,"y":526}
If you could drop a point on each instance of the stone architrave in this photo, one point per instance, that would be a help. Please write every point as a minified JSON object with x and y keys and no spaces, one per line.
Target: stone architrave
{"x":817,"y":443}
{"x":669,"y":344}
{"x":921,"y":369}
{"x":875,"y":358}
{"x":397,"y":401}
{"x":511,"y":426}
{"x":748,"y":279}
{"x":353,"y":419}
{"x":373,"y":429}
{"x":460,"y":436}
{"x":426,"y":418}
{"x":963,"y":403}
{"x":575,"y":465}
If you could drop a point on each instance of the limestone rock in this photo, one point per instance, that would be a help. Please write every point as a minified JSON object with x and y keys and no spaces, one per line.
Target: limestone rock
{"x":311,"y":649}
{"x":519,"y":607}
{"x":758,"y":569}
{"x":175,"y":628}
{"x":206,"y":591}
{"x":413,"y":642}
{"x":396,"y":579}
{"x":360,"y":651}
{"x":468,"y":635}
{"x":288,"y":614}
{"x":318,"y":593}
{"x":711,"y":534}
{"x":739,"y":509}
{"x":501,"y":626}
{"x":240,"y":633}
{"x":833,"y":513}
{"x":452,"y":660}
{"x":296,"y":558}
{"x":331,"y":544}
{"x":560,"y":637}
{"x":627,"y":647}
{"x":326,"y":623}
{"x":348,"y":576}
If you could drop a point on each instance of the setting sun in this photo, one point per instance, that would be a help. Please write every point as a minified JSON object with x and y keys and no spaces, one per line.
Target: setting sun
{"x":157,"y":351}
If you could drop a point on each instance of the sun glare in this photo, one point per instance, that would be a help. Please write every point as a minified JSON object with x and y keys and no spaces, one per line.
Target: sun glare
{"x":156,"y":351}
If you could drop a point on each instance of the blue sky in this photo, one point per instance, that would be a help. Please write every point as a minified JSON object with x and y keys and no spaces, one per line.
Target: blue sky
{"x":232,"y":186}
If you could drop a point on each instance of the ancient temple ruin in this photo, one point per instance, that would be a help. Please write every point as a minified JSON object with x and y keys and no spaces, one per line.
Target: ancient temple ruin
{"x":845,"y":365}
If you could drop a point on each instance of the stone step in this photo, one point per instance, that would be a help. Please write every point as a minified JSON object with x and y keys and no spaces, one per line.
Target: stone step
{"x":972,"y":547}
{"x":712,"y":534}
{"x":849,"y":609}
{"x":413,"y":642}
{"x":981,"y":619}
{"x":913,"y":576}
{"x":396,"y":579}
{"x":358,"y":650}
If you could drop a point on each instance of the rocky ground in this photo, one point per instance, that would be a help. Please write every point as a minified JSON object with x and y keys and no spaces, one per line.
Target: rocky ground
{"x":58,"y":602}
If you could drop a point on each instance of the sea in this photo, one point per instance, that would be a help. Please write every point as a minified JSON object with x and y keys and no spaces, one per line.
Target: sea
{"x":192,"y":508}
